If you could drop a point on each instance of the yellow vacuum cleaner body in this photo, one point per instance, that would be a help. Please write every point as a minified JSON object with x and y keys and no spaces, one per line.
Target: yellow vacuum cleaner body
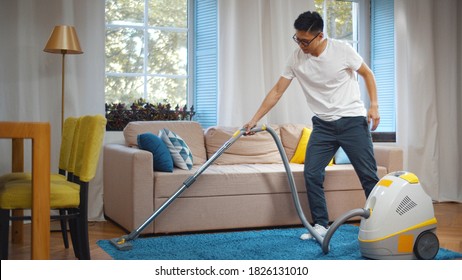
{"x":402,"y":223}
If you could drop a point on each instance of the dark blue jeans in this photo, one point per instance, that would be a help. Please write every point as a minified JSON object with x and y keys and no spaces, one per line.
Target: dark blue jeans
{"x":353,"y":135}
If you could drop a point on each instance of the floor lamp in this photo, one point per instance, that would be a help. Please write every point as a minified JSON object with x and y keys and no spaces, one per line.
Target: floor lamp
{"x":63,"y":40}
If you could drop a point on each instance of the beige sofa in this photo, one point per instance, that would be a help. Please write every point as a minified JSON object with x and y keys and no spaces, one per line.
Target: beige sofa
{"x":246,"y":187}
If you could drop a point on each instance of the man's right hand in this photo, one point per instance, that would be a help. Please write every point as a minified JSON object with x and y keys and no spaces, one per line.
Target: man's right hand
{"x":248,"y":126}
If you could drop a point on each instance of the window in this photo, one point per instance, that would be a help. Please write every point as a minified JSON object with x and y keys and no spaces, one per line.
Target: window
{"x":340,"y":19}
{"x":147,"y":51}
{"x":151,"y":54}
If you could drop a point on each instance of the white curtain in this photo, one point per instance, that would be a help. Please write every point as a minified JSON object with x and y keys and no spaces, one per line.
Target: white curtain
{"x":429,"y":93}
{"x":255,"y":41}
{"x":30,"y":79}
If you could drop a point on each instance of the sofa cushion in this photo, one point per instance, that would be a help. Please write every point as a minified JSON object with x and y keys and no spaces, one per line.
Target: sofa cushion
{"x":162,"y":160}
{"x":227,"y":180}
{"x":191,"y":132}
{"x":258,"y":148}
{"x":181,"y":154}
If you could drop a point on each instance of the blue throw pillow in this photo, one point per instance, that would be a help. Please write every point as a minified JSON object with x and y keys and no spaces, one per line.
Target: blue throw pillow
{"x":162,"y":159}
{"x":341,"y":157}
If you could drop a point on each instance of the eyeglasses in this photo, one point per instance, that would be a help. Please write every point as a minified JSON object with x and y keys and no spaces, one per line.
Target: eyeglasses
{"x":305,"y":43}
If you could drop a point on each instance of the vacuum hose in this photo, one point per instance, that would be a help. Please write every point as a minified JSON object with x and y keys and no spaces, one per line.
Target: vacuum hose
{"x":365,"y":213}
{"x":293,"y":188}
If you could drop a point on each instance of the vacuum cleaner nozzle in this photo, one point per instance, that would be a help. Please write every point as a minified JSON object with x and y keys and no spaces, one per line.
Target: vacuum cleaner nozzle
{"x":121,"y":243}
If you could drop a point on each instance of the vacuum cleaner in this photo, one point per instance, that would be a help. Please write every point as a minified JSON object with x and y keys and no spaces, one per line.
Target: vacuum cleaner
{"x":397,"y":220}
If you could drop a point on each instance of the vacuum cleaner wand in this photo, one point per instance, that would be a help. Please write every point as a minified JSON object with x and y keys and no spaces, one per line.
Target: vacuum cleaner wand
{"x":123,"y":243}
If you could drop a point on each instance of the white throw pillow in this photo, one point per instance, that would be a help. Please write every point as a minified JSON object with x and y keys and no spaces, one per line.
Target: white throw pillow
{"x":181,"y":154}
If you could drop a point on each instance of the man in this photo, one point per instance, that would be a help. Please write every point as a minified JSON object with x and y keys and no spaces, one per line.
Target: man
{"x":325,"y":69}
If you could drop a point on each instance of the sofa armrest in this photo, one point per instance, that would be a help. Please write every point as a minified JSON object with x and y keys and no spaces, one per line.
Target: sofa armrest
{"x":389,"y":156}
{"x":128,"y":185}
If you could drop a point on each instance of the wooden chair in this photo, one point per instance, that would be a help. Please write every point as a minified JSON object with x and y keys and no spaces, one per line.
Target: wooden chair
{"x":71,"y":197}
{"x":68,"y":137}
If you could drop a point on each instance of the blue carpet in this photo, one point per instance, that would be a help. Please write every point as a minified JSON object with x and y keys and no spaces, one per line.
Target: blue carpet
{"x":273,"y":244}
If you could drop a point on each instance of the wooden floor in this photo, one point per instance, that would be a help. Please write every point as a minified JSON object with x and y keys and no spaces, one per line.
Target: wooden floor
{"x":449,"y":232}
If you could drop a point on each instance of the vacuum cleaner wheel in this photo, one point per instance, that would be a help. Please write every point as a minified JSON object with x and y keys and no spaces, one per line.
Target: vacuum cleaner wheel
{"x":426,"y":246}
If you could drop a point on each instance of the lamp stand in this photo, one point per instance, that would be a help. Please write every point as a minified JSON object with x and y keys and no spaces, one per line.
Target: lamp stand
{"x":62,"y":90}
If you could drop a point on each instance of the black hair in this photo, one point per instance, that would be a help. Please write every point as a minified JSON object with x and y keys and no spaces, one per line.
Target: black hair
{"x":309,"y":21}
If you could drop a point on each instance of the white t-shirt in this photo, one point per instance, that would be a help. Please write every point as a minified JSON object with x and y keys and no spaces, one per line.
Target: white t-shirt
{"x":328,"y":81}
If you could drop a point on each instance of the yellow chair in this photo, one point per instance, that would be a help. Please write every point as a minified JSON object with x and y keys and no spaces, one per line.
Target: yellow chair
{"x":64,"y":195}
{"x":67,"y":166}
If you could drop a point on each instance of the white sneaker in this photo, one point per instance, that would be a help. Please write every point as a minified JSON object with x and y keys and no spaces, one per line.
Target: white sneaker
{"x":318,"y":228}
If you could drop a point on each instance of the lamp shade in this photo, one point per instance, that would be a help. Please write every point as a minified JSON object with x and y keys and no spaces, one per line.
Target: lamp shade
{"x":63,"y":40}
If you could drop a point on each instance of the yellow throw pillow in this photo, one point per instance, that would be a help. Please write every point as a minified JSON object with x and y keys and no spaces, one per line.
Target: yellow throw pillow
{"x":300,"y":152}
{"x":299,"y":156}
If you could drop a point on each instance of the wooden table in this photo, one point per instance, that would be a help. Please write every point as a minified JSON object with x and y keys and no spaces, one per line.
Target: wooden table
{"x":39,"y":132}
